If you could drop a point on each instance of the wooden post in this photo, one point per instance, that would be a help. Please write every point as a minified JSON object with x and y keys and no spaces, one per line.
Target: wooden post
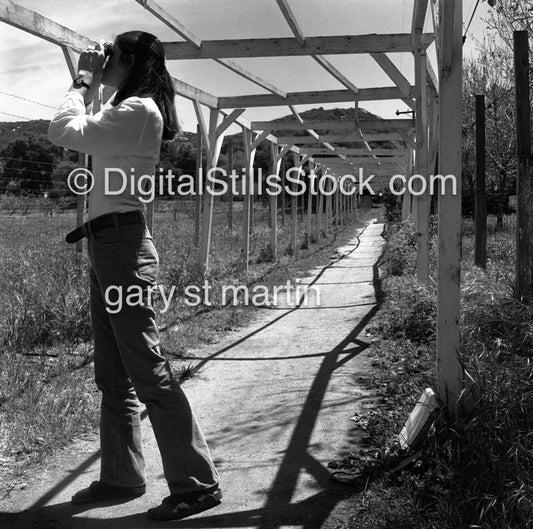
{"x":423,"y":200}
{"x":328,"y":206}
{"x":407,"y":204}
{"x":283,"y":193}
{"x":294,"y":210}
{"x":309,"y":211}
{"x":230,"y":193}
{"x":524,"y":216}
{"x":80,"y":201}
{"x":276,"y":164}
{"x":198,"y":189}
{"x":480,"y":253}
{"x":213,"y":137}
{"x":337,"y":205}
{"x":249,"y":154}
{"x":319,"y":209}
{"x":450,"y":375}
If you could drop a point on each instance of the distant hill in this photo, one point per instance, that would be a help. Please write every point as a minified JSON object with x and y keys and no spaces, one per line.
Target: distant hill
{"x":16,"y":130}
{"x":13,"y":130}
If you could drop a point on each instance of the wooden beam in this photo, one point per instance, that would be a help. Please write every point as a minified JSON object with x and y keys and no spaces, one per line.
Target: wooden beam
{"x":423,"y":203}
{"x":229,"y":121}
{"x":239,"y":70}
{"x":170,"y":21}
{"x":350,"y":137}
{"x":163,"y":15}
{"x":17,"y":16}
{"x":360,"y":152}
{"x":289,"y":46}
{"x":370,"y":124}
{"x":335,"y":73}
{"x":396,"y":76}
{"x":432,"y":76}
{"x":194,"y":94}
{"x":70,"y":58}
{"x":450,"y":374}
{"x":291,"y":20}
{"x":419,"y":17}
{"x":311,"y":98}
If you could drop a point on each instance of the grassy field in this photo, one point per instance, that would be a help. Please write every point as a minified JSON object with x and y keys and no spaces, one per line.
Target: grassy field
{"x":47,"y":395}
{"x":478,"y":472}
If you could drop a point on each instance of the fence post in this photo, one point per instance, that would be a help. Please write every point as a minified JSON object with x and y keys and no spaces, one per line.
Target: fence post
{"x":524,"y":208}
{"x":230,"y":191}
{"x":198,"y":190}
{"x":480,"y":254}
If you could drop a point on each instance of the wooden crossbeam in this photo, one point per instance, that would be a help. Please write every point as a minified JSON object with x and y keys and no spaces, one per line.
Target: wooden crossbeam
{"x":289,"y":46}
{"x":419,"y":16}
{"x":155,"y":9}
{"x":239,"y":70}
{"x":367,"y":162}
{"x":335,"y":73}
{"x":170,"y":21}
{"x":313,"y":97}
{"x":228,"y":121}
{"x":360,"y":152}
{"x":399,"y":79}
{"x":370,"y":124}
{"x":333,"y":138}
{"x":17,"y":16}
{"x":291,"y":20}
{"x":194,"y":94}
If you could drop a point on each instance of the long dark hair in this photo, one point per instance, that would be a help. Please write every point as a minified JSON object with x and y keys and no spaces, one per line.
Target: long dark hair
{"x":149,"y":76}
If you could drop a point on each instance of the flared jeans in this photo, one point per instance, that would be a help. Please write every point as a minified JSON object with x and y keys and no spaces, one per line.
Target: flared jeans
{"x":129,"y":368}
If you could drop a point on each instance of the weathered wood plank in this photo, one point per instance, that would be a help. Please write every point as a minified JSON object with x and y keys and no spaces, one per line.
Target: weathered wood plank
{"x":289,"y":46}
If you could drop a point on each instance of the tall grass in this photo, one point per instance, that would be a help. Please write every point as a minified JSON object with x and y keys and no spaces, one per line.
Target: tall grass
{"x":47,"y":397}
{"x":478,"y":471}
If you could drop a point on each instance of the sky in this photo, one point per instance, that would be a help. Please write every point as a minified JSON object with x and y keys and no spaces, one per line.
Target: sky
{"x":33,"y":69}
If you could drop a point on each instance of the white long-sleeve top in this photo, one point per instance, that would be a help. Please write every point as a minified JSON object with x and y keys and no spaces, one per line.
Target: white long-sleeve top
{"x":125,"y":137}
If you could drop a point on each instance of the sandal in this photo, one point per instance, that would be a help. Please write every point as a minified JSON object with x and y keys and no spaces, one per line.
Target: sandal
{"x":175,"y":507}
{"x":98,"y":491}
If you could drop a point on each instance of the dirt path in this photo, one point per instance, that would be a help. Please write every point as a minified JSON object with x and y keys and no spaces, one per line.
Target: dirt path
{"x":274,"y":401}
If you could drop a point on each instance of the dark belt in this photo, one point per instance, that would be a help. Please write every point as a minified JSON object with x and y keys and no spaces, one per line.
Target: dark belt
{"x":109,"y":220}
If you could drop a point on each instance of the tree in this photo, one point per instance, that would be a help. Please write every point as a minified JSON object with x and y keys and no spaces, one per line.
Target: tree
{"x":28,"y":165}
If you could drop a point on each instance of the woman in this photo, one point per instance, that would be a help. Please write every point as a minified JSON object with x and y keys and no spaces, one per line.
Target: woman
{"x":127,"y":359}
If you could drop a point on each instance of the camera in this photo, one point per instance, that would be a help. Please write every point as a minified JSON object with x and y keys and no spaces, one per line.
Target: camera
{"x":107,"y":49}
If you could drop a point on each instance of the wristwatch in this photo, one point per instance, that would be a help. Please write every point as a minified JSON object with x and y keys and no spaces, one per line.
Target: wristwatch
{"x":78,"y":82}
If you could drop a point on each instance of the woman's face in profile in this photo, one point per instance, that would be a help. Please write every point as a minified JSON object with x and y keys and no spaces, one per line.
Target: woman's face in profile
{"x":115,"y":72}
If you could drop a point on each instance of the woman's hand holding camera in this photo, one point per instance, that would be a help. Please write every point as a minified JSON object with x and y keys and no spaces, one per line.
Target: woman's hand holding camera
{"x":90,"y":69}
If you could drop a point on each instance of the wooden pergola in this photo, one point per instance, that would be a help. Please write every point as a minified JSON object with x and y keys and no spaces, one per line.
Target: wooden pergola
{"x":433,"y":135}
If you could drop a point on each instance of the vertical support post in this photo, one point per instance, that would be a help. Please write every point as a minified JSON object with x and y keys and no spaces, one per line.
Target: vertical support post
{"x":423,"y":201}
{"x":199,"y":188}
{"x":80,"y":202}
{"x":213,"y":137}
{"x":328,"y":206}
{"x":524,"y":214}
{"x":283,"y":191}
{"x":319,"y":207}
{"x":337,"y":205}
{"x":230,"y":193}
{"x":213,"y":149}
{"x":276,"y":164}
{"x":294,"y":210}
{"x":309,"y":209}
{"x":450,"y":374}
{"x":407,"y":201}
{"x":249,"y":153}
{"x":480,"y":252}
